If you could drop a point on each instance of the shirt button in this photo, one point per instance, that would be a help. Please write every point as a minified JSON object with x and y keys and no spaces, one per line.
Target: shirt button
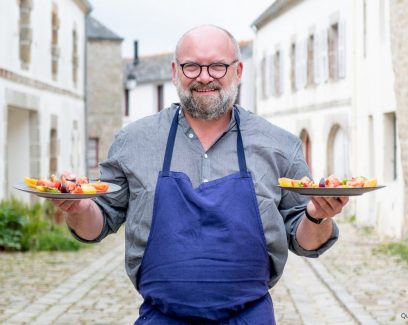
{"x":190,"y":135}
{"x":205,"y":180}
{"x":205,"y":156}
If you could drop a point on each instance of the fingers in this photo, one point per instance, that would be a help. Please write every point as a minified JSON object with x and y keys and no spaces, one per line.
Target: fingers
{"x":343,"y":199}
{"x":66,"y":205}
{"x":328,"y":206}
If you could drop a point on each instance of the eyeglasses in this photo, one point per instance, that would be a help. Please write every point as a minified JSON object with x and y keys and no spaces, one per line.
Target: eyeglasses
{"x":215,"y":70}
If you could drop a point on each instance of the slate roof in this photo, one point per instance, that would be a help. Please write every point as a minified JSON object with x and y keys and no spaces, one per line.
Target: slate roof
{"x":152,"y":68}
{"x":96,"y":30}
{"x":157,"y":68}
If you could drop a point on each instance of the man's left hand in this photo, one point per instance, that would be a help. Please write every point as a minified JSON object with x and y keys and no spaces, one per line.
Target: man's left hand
{"x":321,"y":207}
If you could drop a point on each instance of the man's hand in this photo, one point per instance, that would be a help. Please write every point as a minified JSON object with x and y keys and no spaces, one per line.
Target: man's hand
{"x":83,"y":216}
{"x":311,"y":235}
{"x":72,"y":206}
{"x":321,"y":207}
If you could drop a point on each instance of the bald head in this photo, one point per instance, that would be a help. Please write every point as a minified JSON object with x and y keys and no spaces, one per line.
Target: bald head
{"x":207,"y":36}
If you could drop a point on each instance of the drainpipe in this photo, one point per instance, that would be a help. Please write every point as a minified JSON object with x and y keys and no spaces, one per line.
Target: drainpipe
{"x":86,"y":93}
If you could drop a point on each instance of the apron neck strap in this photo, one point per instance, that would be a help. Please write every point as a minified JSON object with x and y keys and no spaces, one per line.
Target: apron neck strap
{"x":172,"y":138}
{"x":240,"y":146}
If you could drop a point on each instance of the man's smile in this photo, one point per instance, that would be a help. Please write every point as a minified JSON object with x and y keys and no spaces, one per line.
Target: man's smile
{"x":205,"y":91}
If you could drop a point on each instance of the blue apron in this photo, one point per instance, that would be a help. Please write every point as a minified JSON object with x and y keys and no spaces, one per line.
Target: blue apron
{"x":205,"y":260}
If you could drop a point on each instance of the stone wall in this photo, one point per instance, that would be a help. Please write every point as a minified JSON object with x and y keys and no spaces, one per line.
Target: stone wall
{"x":105,"y":94}
{"x":399,"y":47}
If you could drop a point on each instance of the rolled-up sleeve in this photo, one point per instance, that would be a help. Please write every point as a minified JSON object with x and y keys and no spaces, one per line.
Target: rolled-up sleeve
{"x":113,"y":205}
{"x":292,"y":207}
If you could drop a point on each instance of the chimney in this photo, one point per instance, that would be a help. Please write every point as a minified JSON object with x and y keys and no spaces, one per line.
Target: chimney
{"x":135,"y":53}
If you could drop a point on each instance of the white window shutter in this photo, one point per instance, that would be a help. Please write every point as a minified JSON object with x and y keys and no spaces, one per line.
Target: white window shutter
{"x":282,"y":72}
{"x":324,"y":61}
{"x":316,"y":58}
{"x":271,"y":77}
{"x":304,"y":63}
{"x":342,"y":55}
{"x":262,"y":73}
{"x":298,"y":64}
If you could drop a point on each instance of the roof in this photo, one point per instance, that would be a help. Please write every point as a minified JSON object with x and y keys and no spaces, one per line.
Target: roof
{"x":96,"y":30}
{"x":274,"y":10}
{"x":157,"y":68}
{"x":84,"y":5}
{"x":152,"y":68}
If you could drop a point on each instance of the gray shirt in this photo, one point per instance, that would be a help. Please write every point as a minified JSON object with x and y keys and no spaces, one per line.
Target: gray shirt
{"x":136,"y":157}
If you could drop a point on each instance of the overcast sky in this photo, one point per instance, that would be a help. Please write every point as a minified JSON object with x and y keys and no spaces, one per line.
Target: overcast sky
{"x":157,"y":24}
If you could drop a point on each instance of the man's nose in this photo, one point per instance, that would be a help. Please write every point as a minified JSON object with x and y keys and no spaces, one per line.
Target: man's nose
{"x":204,"y":76}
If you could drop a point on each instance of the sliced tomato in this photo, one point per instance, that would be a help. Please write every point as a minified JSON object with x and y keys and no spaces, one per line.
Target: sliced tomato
{"x":332,"y":181}
{"x":100,"y":187}
{"x":77,"y":190}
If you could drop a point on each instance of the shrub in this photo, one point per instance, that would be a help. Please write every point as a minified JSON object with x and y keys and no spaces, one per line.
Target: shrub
{"x":32,"y":228}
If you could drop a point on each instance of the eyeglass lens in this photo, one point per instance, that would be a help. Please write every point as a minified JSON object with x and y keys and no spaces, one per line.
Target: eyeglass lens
{"x":215,"y":70}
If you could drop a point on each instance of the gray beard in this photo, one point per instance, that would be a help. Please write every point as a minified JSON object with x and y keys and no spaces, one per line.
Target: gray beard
{"x":210,"y":107}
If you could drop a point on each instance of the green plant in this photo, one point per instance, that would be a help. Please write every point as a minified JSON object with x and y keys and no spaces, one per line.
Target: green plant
{"x":12,"y":221}
{"x":24,"y":227}
{"x":399,"y":249}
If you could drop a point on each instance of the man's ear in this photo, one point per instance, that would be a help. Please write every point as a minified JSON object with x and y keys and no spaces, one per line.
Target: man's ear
{"x":240,"y":68}
{"x":173,"y":72}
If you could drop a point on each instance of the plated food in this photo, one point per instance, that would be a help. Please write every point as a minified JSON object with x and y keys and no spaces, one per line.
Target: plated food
{"x":66,"y":187}
{"x":76,"y":185}
{"x":331,"y":182}
{"x":330,"y":186}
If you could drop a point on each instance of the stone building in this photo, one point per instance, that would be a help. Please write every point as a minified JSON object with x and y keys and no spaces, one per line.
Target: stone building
{"x":399,"y":45}
{"x":42,"y":98}
{"x":149,"y":87}
{"x":325,"y":73}
{"x":104,"y":91}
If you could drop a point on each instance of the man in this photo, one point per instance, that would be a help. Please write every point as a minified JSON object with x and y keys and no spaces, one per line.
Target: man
{"x":208,"y":235}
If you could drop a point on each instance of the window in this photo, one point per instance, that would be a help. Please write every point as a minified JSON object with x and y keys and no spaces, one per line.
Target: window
{"x":337,"y":149}
{"x":390,"y":147}
{"x":310,"y":61}
{"x":307,"y":147}
{"x":55,"y":51}
{"x":160,"y":100}
{"x":25,"y":33}
{"x":333,"y":51}
{"x":93,"y":152}
{"x":126,"y":102}
{"x":293,"y":67}
{"x":74,"y":56}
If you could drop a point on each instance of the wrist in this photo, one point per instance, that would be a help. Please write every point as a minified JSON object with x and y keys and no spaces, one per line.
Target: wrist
{"x":316,"y":221}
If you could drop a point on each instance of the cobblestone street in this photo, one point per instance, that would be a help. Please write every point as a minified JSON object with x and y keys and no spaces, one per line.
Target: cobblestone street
{"x":348,"y":285}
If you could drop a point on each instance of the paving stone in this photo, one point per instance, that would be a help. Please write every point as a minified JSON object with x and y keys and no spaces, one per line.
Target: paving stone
{"x":81,"y":288}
